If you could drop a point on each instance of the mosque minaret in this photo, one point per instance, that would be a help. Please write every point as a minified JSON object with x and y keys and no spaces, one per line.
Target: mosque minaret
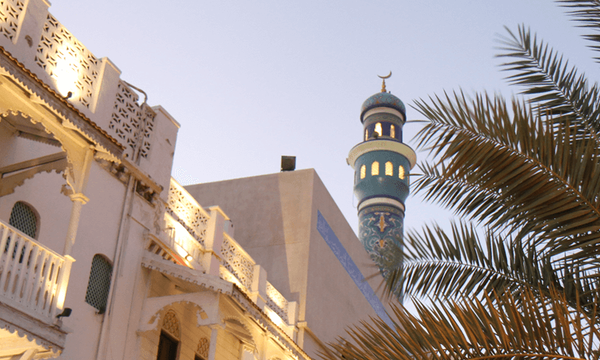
{"x":382,"y":163}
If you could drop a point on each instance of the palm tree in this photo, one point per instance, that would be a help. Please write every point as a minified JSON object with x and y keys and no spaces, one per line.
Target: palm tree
{"x":518,"y":276}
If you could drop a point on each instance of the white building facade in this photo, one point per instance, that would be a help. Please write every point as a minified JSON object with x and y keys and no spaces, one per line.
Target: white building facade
{"x":102,"y":254}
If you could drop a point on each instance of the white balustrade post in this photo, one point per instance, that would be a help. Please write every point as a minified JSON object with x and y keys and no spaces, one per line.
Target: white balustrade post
{"x":258,"y":291}
{"x":63,"y":284}
{"x":214,"y":239}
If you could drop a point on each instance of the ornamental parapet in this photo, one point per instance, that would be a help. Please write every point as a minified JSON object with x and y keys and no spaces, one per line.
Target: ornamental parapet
{"x":194,"y":237}
{"x":92,"y":85}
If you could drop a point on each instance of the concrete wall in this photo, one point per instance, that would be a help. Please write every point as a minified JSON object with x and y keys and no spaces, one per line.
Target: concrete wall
{"x":274,"y":218}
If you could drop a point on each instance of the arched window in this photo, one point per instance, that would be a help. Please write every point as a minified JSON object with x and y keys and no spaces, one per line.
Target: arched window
{"x":378,"y":129}
{"x":375,"y":168}
{"x":366,"y":134}
{"x":24,"y":219}
{"x":99,"y":283}
{"x":170,"y":334}
{"x":389,"y":169}
{"x":392,"y":131}
{"x":363,"y":171}
{"x":401,"y":172}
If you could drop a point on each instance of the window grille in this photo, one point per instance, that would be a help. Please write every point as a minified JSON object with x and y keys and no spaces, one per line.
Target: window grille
{"x":202,"y":349}
{"x":24,"y":219}
{"x":171,"y":324}
{"x":99,"y":283}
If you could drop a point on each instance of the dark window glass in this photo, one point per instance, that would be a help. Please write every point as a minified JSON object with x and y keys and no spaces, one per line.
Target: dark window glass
{"x":167,"y":347}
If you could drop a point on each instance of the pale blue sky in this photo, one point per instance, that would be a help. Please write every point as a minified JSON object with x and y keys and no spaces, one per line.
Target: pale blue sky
{"x":250,"y":81}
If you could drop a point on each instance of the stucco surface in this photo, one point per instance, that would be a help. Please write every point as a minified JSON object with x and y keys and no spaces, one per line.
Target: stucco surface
{"x":274,"y":218}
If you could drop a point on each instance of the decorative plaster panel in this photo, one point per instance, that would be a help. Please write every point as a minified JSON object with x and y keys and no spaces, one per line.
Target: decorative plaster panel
{"x":68,"y":62}
{"x":11,"y":17}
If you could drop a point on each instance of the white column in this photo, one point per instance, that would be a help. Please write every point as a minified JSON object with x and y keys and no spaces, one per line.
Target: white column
{"x":212,"y":349}
{"x":78,"y":201}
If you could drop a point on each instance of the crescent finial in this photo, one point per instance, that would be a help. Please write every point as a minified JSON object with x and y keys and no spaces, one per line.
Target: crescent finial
{"x":383,"y":89}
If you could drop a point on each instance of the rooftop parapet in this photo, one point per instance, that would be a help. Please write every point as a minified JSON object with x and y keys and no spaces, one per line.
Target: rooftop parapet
{"x":197,"y":240}
{"x":45,"y":47}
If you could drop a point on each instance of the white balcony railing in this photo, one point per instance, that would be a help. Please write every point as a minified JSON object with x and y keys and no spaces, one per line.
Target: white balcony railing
{"x":33,"y":278}
{"x":277,"y":302}
{"x":237,"y":261}
{"x":185,"y":209}
{"x":190,"y":232}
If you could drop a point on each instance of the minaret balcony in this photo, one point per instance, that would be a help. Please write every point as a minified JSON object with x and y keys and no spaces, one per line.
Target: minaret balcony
{"x":382,"y":145}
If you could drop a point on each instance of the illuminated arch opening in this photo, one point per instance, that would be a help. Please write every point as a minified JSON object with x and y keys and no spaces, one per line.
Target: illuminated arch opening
{"x":401,"y":172}
{"x":375,"y":168}
{"x":378,"y":129}
{"x":363,"y":171}
{"x":392,"y":131}
{"x":389,"y":169}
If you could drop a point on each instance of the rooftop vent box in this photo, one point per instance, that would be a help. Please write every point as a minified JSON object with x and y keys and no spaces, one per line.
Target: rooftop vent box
{"x":288,"y":163}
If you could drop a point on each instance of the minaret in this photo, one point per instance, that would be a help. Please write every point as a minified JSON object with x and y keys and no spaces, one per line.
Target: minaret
{"x":381,"y":165}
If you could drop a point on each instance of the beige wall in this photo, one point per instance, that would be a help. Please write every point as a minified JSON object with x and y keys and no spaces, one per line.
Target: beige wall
{"x":274,"y":218}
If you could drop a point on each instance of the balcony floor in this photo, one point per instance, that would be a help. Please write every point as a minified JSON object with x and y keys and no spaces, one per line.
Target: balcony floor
{"x":20,"y":332}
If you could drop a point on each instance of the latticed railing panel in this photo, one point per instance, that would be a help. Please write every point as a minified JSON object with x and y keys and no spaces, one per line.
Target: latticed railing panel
{"x":131,"y":122}
{"x":237,"y":261}
{"x":277,"y":302}
{"x":68,"y":62}
{"x":11,"y":17}
{"x":186,"y":210}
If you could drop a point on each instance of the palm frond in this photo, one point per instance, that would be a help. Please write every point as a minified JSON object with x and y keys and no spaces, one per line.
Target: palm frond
{"x":587,"y":13}
{"x":557,"y":88}
{"x":477,"y":329}
{"x":547,"y":178}
{"x":442,"y":265}
{"x":462,"y":262}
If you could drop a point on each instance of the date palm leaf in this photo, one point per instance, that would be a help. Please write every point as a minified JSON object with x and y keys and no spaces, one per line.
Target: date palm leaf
{"x":546,"y":178}
{"x":587,"y":13}
{"x":558,"y":89}
{"x":504,"y":328}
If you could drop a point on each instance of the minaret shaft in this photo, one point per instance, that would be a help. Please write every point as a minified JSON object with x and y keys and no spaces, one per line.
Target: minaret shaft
{"x":382,"y":165}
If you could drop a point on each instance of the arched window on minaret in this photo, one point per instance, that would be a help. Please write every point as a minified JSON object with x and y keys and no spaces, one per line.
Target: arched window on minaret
{"x":389,"y":169}
{"x":392,"y":131}
{"x":366,"y":134}
{"x":375,"y":168}
{"x":378,"y":129}
{"x":401,"y":172}
{"x":363,"y":171}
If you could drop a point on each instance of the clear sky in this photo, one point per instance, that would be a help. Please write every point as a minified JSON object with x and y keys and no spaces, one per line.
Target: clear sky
{"x":250,"y":81}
